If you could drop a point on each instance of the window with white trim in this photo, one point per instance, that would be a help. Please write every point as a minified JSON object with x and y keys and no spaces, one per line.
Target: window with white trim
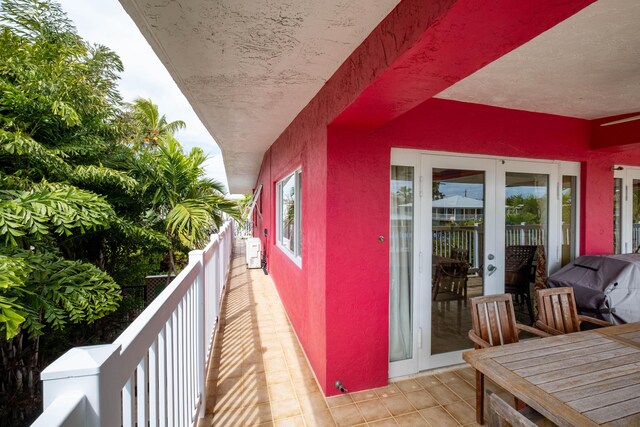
{"x":288,"y":215}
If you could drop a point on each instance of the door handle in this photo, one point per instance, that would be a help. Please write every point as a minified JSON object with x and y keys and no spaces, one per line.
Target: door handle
{"x":491,"y":269}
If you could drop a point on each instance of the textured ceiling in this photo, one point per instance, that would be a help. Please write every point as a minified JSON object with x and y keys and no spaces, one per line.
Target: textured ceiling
{"x":588,"y":66}
{"x":249,"y":67}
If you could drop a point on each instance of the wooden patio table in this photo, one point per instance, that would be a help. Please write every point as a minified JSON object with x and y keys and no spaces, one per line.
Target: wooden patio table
{"x":588,"y":378}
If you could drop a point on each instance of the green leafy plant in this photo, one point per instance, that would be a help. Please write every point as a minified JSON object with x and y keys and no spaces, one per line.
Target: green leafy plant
{"x":70,"y":208}
{"x":189,"y":206}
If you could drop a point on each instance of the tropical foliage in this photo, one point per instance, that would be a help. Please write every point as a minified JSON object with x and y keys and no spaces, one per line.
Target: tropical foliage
{"x":152,"y":127}
{"x":93,"y":193}
{"x":189,"y":206}
{"x":524,"y":209}
{"x":58,"y":95}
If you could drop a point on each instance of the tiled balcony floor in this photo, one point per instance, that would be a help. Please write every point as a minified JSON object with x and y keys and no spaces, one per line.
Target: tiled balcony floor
{"x":259,"y":374}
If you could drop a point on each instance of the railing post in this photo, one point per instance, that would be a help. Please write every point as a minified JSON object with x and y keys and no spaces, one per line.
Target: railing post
{"x":91,"y":371}
{"x":220,"y":269}
{"x":201,"y":332}
{"x":213,"y":288}
{"x":227,"y":256}
{"x":476,"y":252}
{"x":522,"y":238}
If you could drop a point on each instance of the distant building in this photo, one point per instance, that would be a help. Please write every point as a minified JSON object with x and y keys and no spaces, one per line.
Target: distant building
{"x":457,"y":209}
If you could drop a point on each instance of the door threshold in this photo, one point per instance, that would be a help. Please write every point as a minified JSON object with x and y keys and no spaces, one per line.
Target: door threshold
{"x":429,"y":371}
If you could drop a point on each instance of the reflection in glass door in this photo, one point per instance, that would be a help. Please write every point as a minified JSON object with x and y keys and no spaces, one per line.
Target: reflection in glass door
{"x":626,"y":210}
{"x":635,"y":215}
{"x":617,"y":215}
{"x":401,"y":264}
{"x":568,"y":230}
{"x":526,"y":230}
{"x":458,"y":221}
{"x":452,"y":220}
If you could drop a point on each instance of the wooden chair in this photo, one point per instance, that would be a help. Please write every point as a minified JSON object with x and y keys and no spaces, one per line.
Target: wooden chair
{"x":502,"y":414}
{"x":450,"y":281}
{"x":494,"y":323}
{"x":519,"y":273}
{"x":557,"y":312}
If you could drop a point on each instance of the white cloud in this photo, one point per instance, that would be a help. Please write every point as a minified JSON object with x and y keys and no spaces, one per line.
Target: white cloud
{"x":105,"y":22}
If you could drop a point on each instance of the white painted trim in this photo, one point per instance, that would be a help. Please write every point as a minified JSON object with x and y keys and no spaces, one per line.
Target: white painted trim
{"x":492,"y":284}
{"x":297,"y":260}
{"x":572,"y":169}
{"x":495,"y":168}
{"x":620,"y":174}
{"x":252,"y":205}
{"x":553,"y":225}
{"x":297,"y":220}
{"x":478,"y":156}
{"x":628,"y":175}
{"x":401,"y":157}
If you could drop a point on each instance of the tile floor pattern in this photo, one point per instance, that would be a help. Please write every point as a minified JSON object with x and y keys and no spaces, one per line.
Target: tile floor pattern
{"x":260,"y":376}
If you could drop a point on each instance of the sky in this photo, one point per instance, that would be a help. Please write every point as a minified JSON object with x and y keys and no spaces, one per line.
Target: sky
{"x":105,"y":22}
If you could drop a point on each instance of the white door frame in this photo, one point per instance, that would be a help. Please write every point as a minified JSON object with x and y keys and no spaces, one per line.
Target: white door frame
{"x":410,"y":366}
{"x":554,"y":245}
{"x":628,"y":174}
{"x":441,"y":161}
{"x":495,"y":168}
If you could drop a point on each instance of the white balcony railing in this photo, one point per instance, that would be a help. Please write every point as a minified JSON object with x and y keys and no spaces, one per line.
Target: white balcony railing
{"x":471,"y":238}
{"x":154,"y":373}
{"x":244,"y":230}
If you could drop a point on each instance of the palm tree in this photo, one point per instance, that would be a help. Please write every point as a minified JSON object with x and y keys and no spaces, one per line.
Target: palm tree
{"x":190,"y":205}
{"x":153,"y":126}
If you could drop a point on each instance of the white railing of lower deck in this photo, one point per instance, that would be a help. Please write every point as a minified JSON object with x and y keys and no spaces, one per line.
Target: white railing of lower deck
{"x":244,"y":230}
{"x":470,"y":238}
{"x":154,"y":373}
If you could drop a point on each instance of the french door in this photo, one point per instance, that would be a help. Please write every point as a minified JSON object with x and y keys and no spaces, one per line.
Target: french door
{"x":453,"y":219}
{"x":626,"y":199}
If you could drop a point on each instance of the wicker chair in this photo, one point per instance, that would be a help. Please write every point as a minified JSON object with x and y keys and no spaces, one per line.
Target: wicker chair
{"x":520,"y":273}
{"x":460,"y":254}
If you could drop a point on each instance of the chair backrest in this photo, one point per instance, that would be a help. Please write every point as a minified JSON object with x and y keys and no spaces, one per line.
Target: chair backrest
{"x":518,"y":264}
{"x":557,"y":309}
{"x":451,"y":278}
{"x":493,"y":319}
{"x":460,"y":254}
{"x":502,"y":414}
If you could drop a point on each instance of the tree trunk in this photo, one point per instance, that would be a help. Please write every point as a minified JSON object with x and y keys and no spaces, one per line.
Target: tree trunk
{"x":20,"y":399}
{"x":172,"y":265}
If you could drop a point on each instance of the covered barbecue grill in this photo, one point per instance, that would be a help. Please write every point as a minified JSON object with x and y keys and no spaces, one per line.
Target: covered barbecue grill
{"x":608,"y":285}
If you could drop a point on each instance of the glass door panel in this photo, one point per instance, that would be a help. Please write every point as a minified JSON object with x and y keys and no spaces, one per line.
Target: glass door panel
{"x":452,"y":220}
{"x":458,"y":221}
{"x":617,"y":215}
{"x":635,"y":215}
{"x":526,"y":230}
{"x":569,"y":218}
{"x":626,"y":210}
{"x":401,"y":264}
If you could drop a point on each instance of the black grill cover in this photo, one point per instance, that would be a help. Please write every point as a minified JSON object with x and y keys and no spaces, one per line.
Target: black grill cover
{"x":604,"y":284}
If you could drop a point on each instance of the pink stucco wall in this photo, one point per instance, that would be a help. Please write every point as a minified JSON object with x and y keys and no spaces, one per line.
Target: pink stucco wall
{"x":338,"y":300}
{"x":469,"y":128}
{"x":358,"y":186}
